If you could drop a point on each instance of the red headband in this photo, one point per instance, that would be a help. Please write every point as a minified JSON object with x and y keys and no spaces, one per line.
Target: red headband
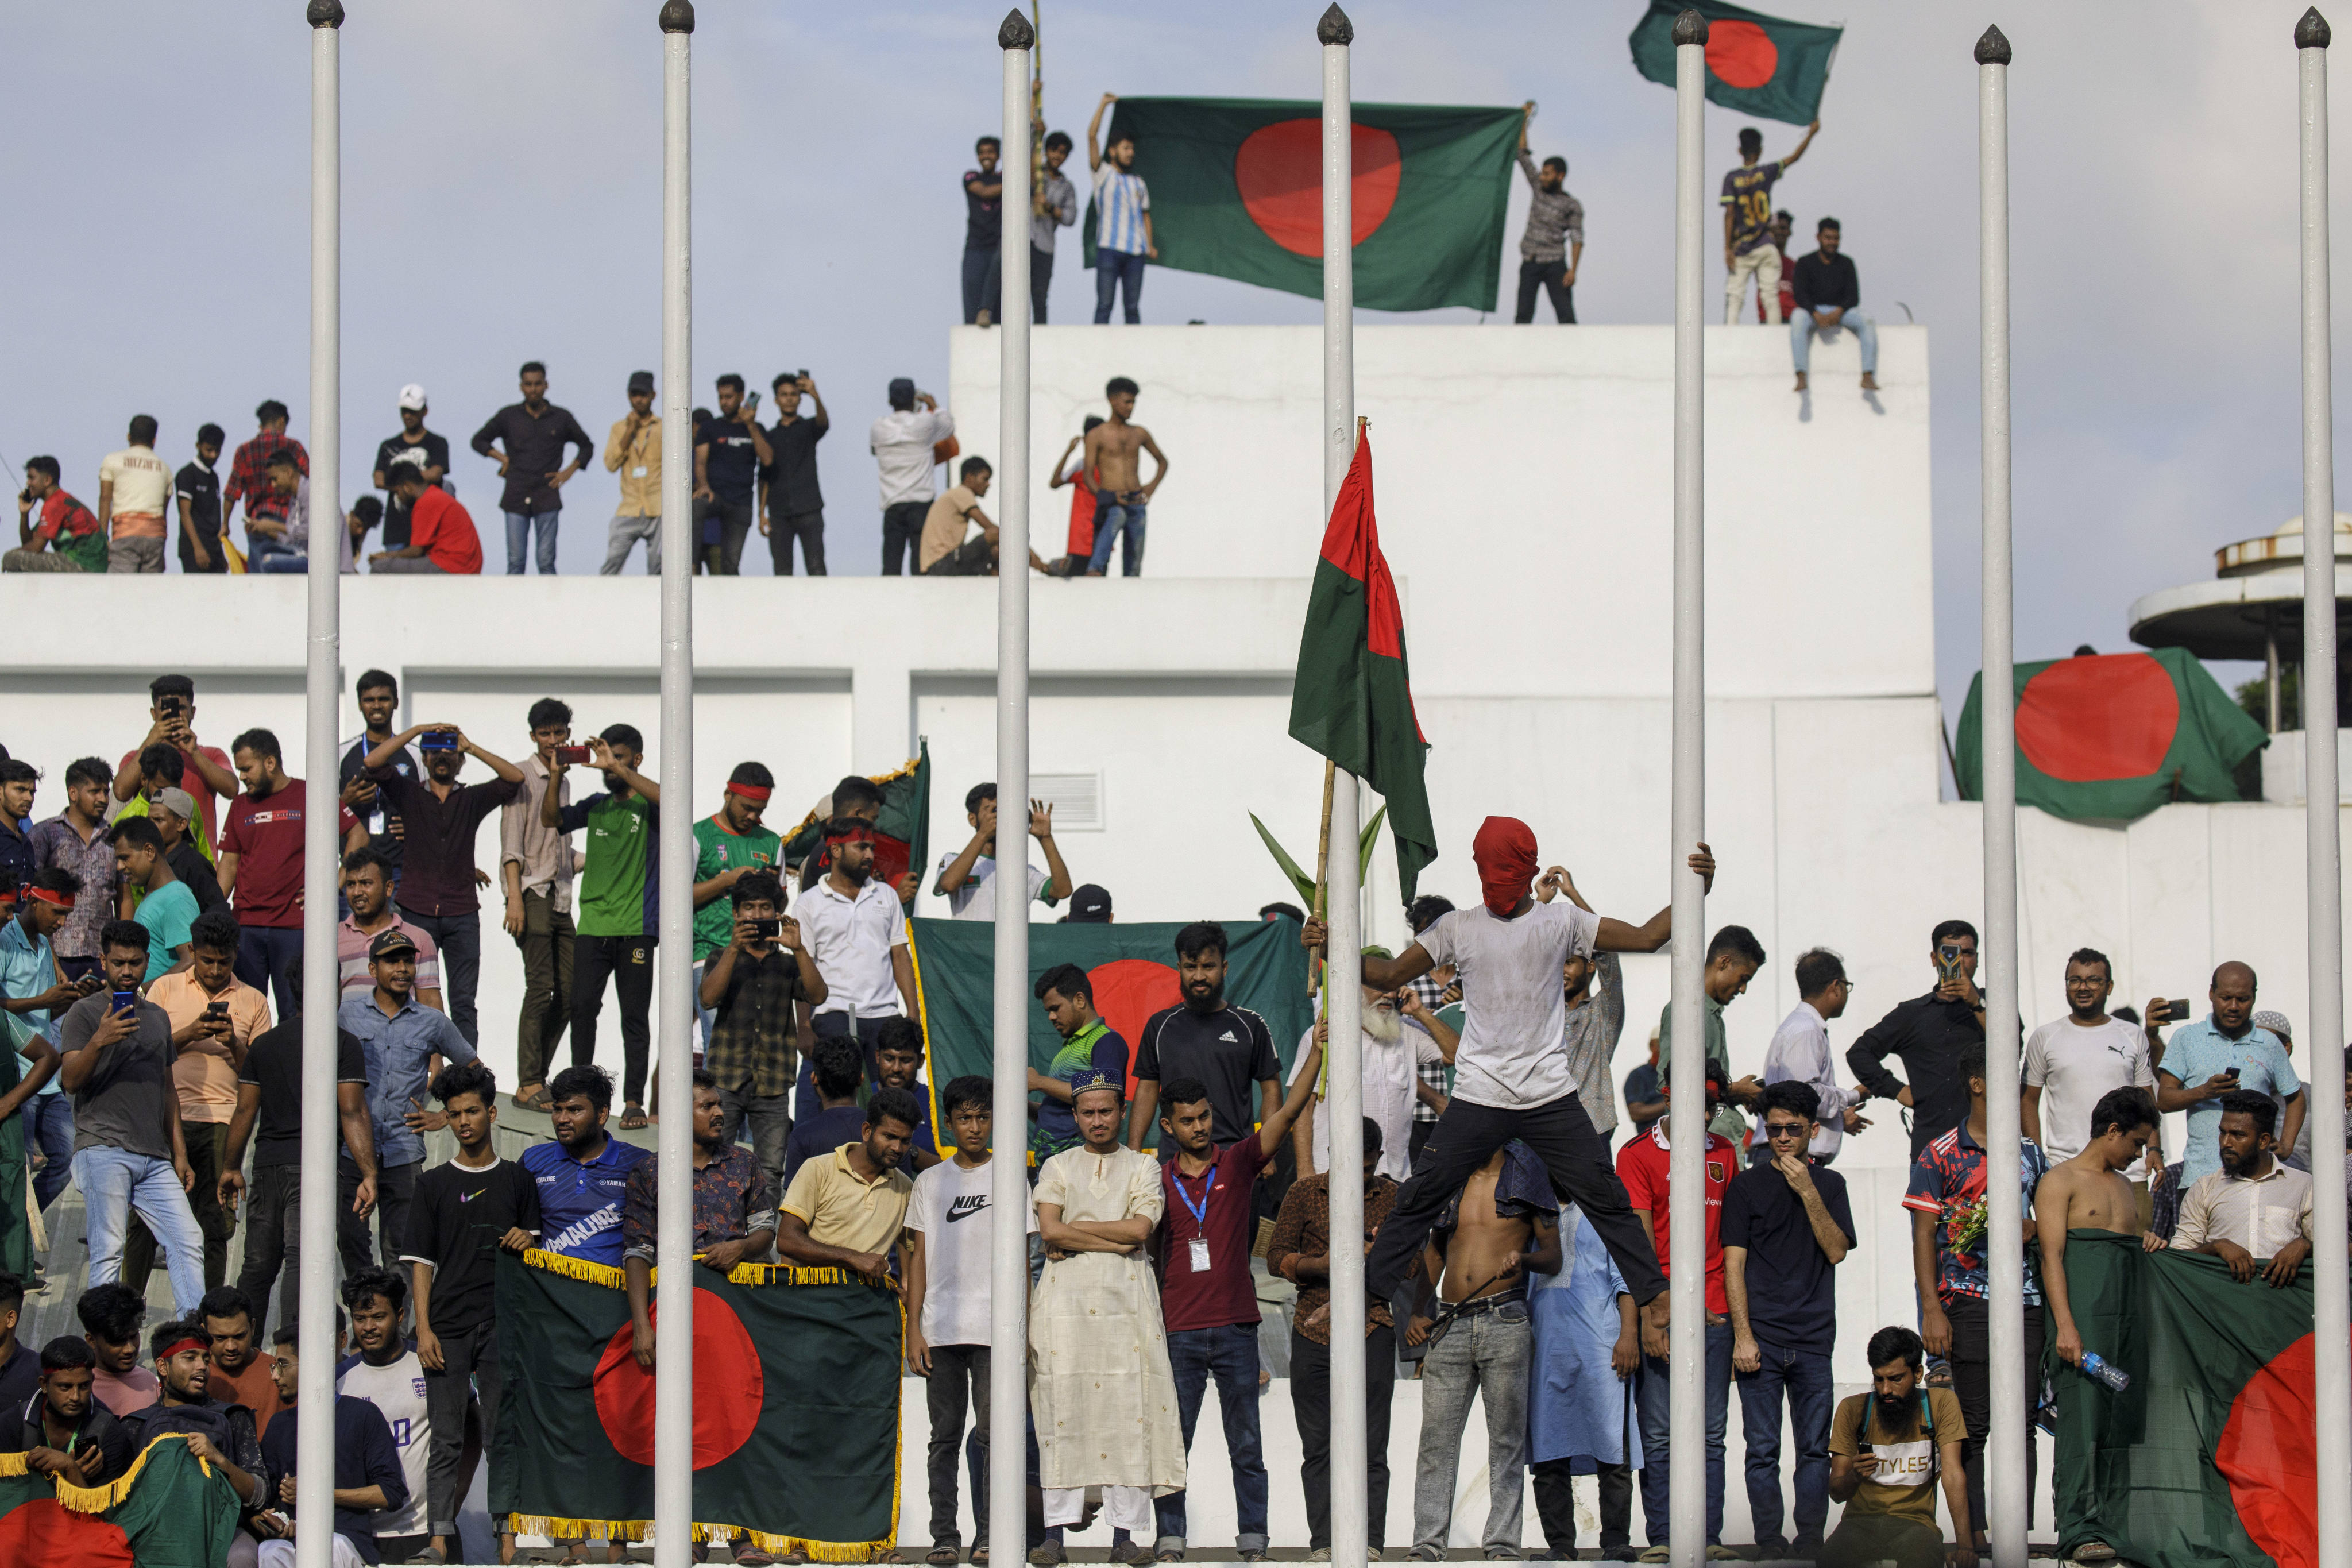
{"x":751,"y":793}
{"x":51,"y":896}
{"x":862,"y":833}
{"x":168,"y":1351}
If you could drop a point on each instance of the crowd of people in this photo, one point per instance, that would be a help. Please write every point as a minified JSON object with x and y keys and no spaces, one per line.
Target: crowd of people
{"x":151,"y":975}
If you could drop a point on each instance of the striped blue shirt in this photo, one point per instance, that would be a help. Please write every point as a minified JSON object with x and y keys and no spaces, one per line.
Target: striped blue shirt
{"x":1121,"y":202}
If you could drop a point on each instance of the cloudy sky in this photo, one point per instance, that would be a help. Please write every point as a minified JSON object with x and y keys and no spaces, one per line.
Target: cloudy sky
{"x":502,"y":184}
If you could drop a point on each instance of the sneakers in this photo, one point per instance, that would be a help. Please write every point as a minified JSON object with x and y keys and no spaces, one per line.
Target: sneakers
{"x":1048,"y":1555}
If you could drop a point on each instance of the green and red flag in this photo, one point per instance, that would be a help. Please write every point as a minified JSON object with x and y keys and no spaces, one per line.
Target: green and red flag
{"x":1352,"y":697}
{"x":1133,"y":968}
{"x":169,"y":1509}
{"x":1765,"y":66}
{"x":2209,"y":1458}
{"x":2111,"y":737}
{"x":1236,"y":188}
{"x":17,"y":1254}
{"x":799,"y":1463}
{"x":902,"y":834}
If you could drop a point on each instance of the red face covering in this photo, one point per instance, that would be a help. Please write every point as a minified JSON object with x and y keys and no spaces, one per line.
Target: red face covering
{"x":1505,"y":852}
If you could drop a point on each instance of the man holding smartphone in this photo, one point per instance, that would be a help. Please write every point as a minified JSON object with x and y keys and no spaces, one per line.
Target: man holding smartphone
{"x":729,"y":450}
{"x":2221,"y":1053}
{"x":1928,"y":1033}
{"x":791,"y":505}
{"x":751,"y":988}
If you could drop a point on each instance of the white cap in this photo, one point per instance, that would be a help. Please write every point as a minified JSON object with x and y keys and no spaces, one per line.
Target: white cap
{"x":413,"y":396}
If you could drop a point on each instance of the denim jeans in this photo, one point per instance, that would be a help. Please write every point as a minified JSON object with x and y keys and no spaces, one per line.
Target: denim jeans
{"x":626,"y":531}
{"x":1110,"y":522}
{"x":259,"y":548}
{"x":207,"y":1146}
{"x":984,"y":284}
{"x":395,"y":1191}
{"x":458,"y":940}
{"x":1804,"y":1377}
{"x":519,"y":528}
{"x":770,"y":1117}
{"x":1650,"y":1398}
{"x":48,"y":1128}
{"x":1555,"y":1489}
{"x":1551,"y":277}
{"x":959,"y":1377}
{"x":280,"y":561}
{"x":902,"y":535}
{"x":1485,"y":1355}
{"x":546,"y":944}
{"x":273,"y":1244}
{"x":1800,"y":338}
{"x":469,"y":1368}
{"x":263,"y":955}
{"x":1310,"y":1403}
{"x":115,"y":1184}
{"x":1112,"y":268}
{"x":1231,"y":1354}
{"x":1041,"y":279}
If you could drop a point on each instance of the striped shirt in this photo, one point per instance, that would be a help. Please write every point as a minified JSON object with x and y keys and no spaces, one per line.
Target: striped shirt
{"x":1121,"y":202}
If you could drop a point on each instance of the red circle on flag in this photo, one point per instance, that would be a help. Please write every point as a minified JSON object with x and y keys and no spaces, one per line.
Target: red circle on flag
{"x":2102,"y":716}
{"x":1128,"y":991}
{"x":1741,"y":54}
{"x":729,"y":1385}
{"x":2268,"y":1454}
{"x":1279,"y":171}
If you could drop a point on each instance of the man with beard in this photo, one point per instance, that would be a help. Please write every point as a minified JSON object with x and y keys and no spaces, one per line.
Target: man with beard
{"x":734,"y":1211}
{"x":1889,"y":1449}
{"x":620,"y":903}
{"x":240,"y":1372}
{"x":856,"y":929}
{"x":1392,"y":1057}
{"x":848,"y":1208}
{"x":1088,"y":1044}
{"x":367,"y":888}
{"x":1226,"y":1049}
{"x":405,"y":1047}
{"x":218,"y":1433}
{"x":65,"y":1434}
{"x":582,"y":1175}
{"x":1511,"y":1077}
{"x":2254,"y":1206}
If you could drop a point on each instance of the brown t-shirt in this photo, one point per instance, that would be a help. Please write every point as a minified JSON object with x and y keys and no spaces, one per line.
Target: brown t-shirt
{"x":254,"y":1388}
{"x":1904,"y":1484}
{"x":944,"y":525}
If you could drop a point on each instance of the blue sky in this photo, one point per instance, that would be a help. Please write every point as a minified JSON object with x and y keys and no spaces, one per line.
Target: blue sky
{"x":501,"y":201}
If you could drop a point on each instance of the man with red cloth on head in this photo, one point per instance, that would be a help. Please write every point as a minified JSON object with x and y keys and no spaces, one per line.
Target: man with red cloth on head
{"x":1511,"y":1077}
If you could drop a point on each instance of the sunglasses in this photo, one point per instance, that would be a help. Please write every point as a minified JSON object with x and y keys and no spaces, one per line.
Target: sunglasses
{"x":1776,"y":1131}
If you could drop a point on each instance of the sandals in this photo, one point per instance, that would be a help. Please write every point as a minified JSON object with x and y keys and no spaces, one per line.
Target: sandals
{"x":535,"y":1097}
{"x":633,"y":1118}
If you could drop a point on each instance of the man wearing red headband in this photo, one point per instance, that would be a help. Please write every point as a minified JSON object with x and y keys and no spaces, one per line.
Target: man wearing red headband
{"x":728,"y":844}
{"x":1511,"y":1071}
{"x":221,"y":1434}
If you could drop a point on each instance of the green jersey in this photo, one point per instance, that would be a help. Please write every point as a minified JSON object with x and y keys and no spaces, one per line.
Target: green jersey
{"x":619,"y":884}
{"x":719,"y":848}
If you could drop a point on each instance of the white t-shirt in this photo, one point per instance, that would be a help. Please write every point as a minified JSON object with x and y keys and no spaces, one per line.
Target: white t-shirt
{"x":955,"y":1253}
{"x":976,"y":899}
{"x":2074,"y":1066}
{"x":397,"y":1389}
{"x":850,"y":940}
{"x":1389,"y":1079}
{"x":902,"y":442}
{"x":142,"y":483}
{"x":1513,"y":1011}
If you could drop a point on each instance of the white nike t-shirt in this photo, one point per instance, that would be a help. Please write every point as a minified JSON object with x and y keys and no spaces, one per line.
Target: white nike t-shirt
{"x":951,"y":1210}
{"x":397,"y":1389}
{"x":1514,"y":1013}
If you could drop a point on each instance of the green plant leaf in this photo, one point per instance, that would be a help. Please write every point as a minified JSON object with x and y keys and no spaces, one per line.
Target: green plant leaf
{"x":1298,"y":879}
{"x":1364,"y":845}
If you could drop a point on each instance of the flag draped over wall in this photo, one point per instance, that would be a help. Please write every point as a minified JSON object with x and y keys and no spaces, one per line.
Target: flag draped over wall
{"x":1236,"y":188}
{"x":902,"y":834}
{"x":2210,"y":1456}
{"x":169,"y":1509}
{"x":1759,"y":64}
{"x":801,"y":1463}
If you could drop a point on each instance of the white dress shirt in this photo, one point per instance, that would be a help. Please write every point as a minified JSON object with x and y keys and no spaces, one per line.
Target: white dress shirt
{"x":2261,"y":1214}
{"x":1801,"y":1050}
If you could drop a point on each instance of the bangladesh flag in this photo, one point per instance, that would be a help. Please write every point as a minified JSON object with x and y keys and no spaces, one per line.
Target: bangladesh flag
{"x":17,"y":1255}
{"x":1133,"y":968}
{"x":2111,"y":737}
{"x":1237,"y":187}
{"x":2210,"y":1457}
{"x":170,"y":1510}
{"x":1760,"y":65}
{"x":1352,"y":697}
{"x":902,"y":834}
{"x":802,"y":1464}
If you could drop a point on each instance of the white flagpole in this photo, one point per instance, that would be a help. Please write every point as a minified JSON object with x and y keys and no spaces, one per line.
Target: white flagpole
{"x":1008,"y":1332}
{"x":1687,"y":1120}
{"x":321,"y":857}
{"x":2006,"y":1499}
{"x":674,"y":1032}
{"x":2324,"y":919}
{"x":1343,"y":1100}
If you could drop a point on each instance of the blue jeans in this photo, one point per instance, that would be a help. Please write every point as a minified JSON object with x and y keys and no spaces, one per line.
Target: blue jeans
{"x":259,"y":548}
{"x":518,"y":526}
{"x":1110,"y":267}
{"x":702,"y":1013}
{"x":458,"y":939}
{"x":114,"y":1182}
{"x":984,"y":284}
{"x":1231,"y":1354}
{"x":1800,"y":338}
{"x":1112,"y":520}
{"x":286,"y":562}
{"x":48,"y":1128}
{"x":1804,"y":1377}
{"x":1652,"y":1400}
{"x":263,"y":953}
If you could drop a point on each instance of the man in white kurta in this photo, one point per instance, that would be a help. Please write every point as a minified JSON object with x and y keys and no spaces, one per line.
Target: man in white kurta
{"x":1100,"y":1385}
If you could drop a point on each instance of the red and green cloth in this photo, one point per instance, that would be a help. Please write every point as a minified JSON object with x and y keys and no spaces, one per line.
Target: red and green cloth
{"x":902,"y":834}
{"x":170,"y":1510}
{"x":1766,"y":66}
{"x":1236,"y":190}
{"x":2111,"y":737}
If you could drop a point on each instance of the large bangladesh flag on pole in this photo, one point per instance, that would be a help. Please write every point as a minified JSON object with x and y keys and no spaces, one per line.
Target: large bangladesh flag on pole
{"x":169,"y":1509}
{"x":1352,"y":698}
{"x":2111,"y":737}
{"x":2209,"y":1458}
{"x":1237,"y":187}
{"x":1759,"y":64}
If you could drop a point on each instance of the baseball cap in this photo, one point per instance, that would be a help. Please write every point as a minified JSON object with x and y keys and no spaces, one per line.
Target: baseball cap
{"x":388,"y":943}
{"x":641,"y":381}
{"x":902,"y":391}
{"x":413,"y":396}
{"x":178,"y":802}
{"x":1090,"y":905}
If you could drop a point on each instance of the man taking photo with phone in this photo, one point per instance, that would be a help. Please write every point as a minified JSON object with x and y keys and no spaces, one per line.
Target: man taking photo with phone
{"x":2221,"y":1053}
{"x":1928,"y":1033}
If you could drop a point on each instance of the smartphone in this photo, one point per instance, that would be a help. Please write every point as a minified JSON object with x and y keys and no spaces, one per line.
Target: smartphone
{"x":802,"y":373}
{"x":1947,"y":961}
{"x":573,"y":755}
{"x":125,"y":1001}
{"x":217,"y":1010}
{"x":768,"y":928}
{"x":2175,"y":1012}
{"x":752,"y":403}
{"x":437,"y":741}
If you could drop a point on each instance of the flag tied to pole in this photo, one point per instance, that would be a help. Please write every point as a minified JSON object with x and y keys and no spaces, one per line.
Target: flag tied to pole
{"x":1759,"y":64}
{"x":1352,"y":698}
{"x":902,"y":831}
{"x":169,"y":1509}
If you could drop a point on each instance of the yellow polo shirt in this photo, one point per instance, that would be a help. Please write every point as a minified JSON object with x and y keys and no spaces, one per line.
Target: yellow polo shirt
{"x":843,"y":1209}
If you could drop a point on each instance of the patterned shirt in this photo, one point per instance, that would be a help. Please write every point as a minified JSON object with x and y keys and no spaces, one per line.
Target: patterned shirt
{"x":248,"y":476}
{"x":1947,"y":1180}
{"x":1121,"y":202}
{"x":1748,"y":196}
{"x":1432,"y":992}
{"x":58,"y":842}
{"x":1304,"y":1227}
{"x":580,"y":1201}
{"x":751,"y":1027}
{"x":732,"y":1199}
{"x":1555,"y":218}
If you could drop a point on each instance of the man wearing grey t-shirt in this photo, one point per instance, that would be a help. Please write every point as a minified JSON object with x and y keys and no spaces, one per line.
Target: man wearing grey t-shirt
{"x":1054,"y":205}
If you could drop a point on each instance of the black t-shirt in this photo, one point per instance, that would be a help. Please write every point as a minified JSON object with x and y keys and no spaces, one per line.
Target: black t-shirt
{"x":792,"y":475}
{"x":454,"y":1223}
{"x":436,"y":451}
{"x":1792,"y":1285}
{"x":189,"y":865}
{"x":20,"y":1375}
{"x":982,"y":228}
{"x":389,"y":843}
{"x":733,"y":463}
{"x":274,"y":1063}
{"x":1230,"y":1050}
{"x":200,"y":488}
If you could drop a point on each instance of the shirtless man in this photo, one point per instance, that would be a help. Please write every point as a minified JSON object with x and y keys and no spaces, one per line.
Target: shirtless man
{"x":1503,"y":1223}
{"x":1116,"y":474}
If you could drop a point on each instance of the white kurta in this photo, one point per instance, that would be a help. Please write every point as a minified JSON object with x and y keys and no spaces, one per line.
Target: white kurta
{"x":1100,"y":1385}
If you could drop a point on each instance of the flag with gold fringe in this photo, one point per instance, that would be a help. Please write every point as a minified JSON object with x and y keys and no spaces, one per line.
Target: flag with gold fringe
{"x":169,"y":1509}
{"x":796,"y":1407}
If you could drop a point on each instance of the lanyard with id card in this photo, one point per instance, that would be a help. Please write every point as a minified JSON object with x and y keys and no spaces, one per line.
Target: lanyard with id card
{"x":1200,"y":1212}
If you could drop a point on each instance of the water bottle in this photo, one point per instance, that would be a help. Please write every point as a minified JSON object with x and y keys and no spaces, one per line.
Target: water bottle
{"x":2106,"y":1372}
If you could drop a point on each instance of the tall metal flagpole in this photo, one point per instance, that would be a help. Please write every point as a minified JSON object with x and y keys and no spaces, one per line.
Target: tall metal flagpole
{"x":1343,"y":1099}
{"x":1008,"y":1323}
{"x":2332,"y":1294}
{"x":2005,"y":1468}
{"x":1687,"y":1120}
{"x":315,"y":1450}
{"x":674,"y":1216}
